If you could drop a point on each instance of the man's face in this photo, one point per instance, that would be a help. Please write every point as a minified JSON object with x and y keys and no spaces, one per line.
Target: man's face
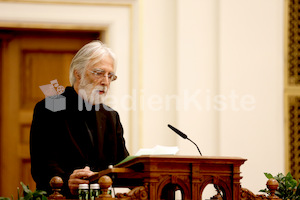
{"x":95,"y":80}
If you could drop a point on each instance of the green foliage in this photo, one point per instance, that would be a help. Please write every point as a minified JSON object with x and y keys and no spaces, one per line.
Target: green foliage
{"x":288,"y":189}
{"x":36,"y":195}
{"x":28,"y":194}
{"x":4,"y":198}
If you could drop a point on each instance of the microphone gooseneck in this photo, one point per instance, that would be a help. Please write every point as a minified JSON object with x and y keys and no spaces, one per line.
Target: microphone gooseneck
{"x":195,"y":145}
{"x":184,"y":136}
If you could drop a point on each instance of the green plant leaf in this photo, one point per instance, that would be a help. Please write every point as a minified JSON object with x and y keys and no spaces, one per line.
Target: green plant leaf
{"x":39,"y":192}
{"x":28,"y":196}
{"x":280,"y":177}
{"x":264,"y":190}
{"x":297,"y":192}
{"x":4,"y":198}
{"x":268,"y":175}
{"x":25,"y":188}
{"x":279,"y":194}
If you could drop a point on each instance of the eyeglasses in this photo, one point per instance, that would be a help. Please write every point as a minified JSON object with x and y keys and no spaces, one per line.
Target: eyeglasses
{"x":99,"y":74}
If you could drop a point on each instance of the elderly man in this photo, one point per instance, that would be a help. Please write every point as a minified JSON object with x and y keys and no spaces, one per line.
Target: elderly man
{"x":85,"y":137}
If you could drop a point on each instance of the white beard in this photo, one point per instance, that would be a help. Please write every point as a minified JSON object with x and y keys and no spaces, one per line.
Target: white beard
{"x":90,"y":93}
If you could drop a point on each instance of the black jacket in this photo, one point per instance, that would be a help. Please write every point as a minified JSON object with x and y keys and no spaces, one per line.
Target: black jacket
{"x":61,"y":141}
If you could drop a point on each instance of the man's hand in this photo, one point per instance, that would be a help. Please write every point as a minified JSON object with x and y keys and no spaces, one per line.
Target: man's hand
{"x":78,"y":177}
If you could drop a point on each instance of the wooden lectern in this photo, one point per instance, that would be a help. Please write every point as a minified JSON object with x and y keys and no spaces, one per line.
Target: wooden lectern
{"x":157,"y":177}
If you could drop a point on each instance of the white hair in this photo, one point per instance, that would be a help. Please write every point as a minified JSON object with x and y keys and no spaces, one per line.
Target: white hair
{"x":90,"y":53}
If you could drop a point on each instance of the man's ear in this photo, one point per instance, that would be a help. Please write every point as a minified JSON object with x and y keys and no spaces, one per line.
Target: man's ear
{"x":77,"y":75}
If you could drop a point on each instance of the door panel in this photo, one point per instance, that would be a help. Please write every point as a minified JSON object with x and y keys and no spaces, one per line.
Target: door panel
{"x":29,"y":59}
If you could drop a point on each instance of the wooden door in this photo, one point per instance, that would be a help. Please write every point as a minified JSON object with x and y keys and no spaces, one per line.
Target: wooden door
{"x":29,"y":59}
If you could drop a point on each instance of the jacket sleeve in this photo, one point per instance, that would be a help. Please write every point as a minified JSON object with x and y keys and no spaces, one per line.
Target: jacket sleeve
{"x":42,"y":149}
{"x":122,"y":151}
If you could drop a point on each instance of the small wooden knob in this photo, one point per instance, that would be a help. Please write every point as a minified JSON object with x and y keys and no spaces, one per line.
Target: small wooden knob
{"x":56,"y":184}
{"x":272,"y":185}
{"x":105,"y":182}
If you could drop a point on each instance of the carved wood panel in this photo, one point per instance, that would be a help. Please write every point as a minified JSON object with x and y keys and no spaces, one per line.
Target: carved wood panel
{"x":294,"y":134}
{"x":293,"y":75}
{"x":292,"y":88}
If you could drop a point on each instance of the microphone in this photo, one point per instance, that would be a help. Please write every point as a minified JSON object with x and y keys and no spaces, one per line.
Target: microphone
{"x":184,"y":136}
{"x":181,"y":134}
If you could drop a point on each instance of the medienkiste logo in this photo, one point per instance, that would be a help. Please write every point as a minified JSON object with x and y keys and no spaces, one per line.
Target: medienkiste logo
{"x":54,"y":101}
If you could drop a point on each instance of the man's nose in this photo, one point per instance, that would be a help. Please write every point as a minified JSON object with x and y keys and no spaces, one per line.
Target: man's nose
{"x":105,"y":80}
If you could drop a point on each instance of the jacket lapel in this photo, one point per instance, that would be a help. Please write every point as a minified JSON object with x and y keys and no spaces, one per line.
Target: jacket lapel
{"x":77,"y":131}
{"x":68,"y":124}
{"x":101,"y":127}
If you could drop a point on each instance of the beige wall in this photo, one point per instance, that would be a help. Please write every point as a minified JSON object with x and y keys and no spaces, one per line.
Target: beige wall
{"x":228,"y":77}
{"x":212,"y":68}
{"x":251,"y":63}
